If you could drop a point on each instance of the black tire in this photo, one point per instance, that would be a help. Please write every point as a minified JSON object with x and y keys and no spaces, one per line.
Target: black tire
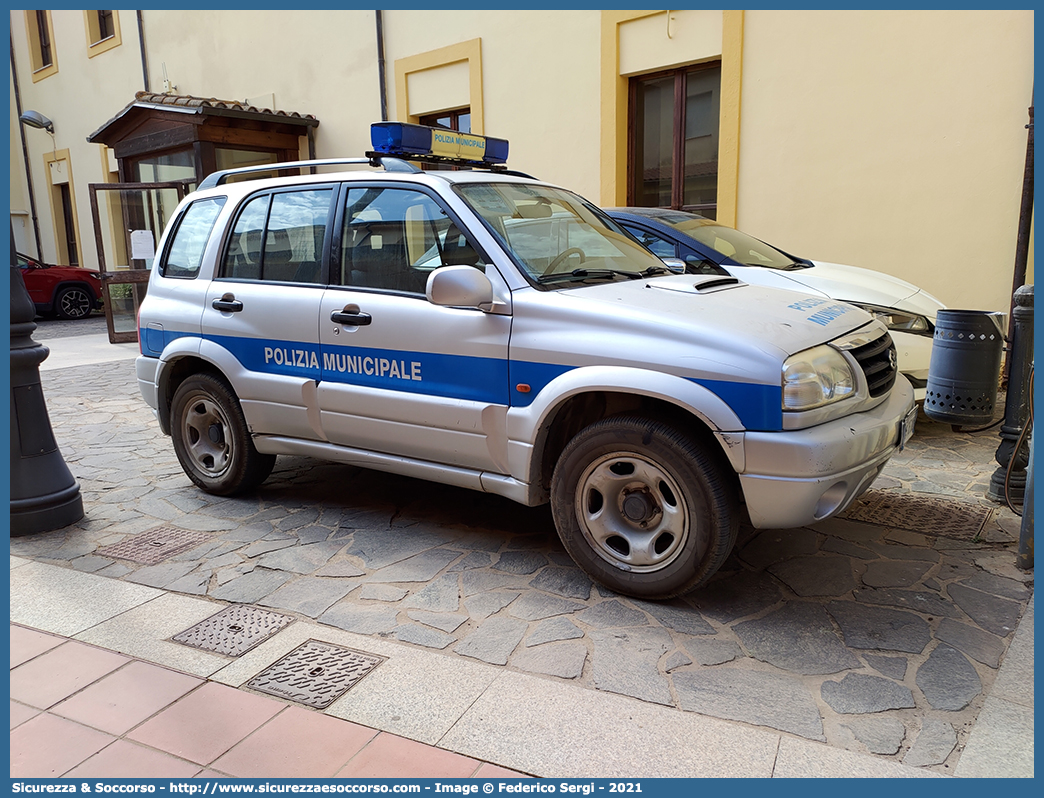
{"x":212,"y":440}
{"x":643,"y":509}
{"x":74,"y":302}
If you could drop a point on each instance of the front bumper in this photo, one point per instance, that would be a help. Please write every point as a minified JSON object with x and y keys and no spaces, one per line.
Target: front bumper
{"x":798,"y":477}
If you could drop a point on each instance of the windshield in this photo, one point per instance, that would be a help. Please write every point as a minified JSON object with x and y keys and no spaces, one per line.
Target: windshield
{"x":740,"y":247}
{"x":556,"y":237}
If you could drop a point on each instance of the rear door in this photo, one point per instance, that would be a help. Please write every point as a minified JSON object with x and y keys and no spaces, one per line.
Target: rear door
{"x":263,"y":308}
{"x":400,"y":375}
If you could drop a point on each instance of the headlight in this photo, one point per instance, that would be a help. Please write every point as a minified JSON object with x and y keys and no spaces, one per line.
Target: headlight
{"x":816,"y":377}
{"x":898,"y":319}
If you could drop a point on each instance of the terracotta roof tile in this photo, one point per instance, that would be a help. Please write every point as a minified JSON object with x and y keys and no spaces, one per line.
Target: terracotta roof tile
{"x":189,"y":101}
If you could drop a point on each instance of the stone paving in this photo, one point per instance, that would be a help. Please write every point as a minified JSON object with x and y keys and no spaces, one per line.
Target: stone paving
{"x":874,"y":639}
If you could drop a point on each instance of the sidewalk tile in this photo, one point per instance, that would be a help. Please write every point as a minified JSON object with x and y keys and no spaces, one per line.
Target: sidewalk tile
{"x":207,"y":722}
{"x":60,"y":672}
{"x":298,"y":743}
{"x":124,"y":760}
{"x":122,"y":700}
{"x":46,"y":746}
{"x":391,"y":756}
{"x":20,"y":713}
{"x":28,"y":643}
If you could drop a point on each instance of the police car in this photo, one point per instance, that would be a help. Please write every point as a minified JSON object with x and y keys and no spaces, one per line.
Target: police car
{"x":484,"y":329}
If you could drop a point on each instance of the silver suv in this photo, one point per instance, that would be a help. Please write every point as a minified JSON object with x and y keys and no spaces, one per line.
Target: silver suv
{"x":484,"y":329}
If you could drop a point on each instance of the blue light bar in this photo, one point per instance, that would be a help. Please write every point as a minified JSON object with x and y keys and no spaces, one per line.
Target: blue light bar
{"x":403,"y":140}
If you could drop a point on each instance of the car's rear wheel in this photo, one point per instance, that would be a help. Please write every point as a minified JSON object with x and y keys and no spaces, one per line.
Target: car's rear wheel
{"x":73,"y":302}
{"x":212,"y":440}
{"x":643,"y":509}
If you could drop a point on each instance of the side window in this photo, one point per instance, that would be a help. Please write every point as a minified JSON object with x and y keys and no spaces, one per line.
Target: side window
{"x":243,"y":258}
{"x":279,"y":237}
{"x":659,"y":247}
{"x":294,"y":238}
{"x":185,"y":253}
{"x":393,"y":238}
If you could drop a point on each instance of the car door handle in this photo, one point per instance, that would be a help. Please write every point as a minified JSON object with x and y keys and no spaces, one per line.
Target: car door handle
{"x":351,"y":316}
{"x":227,"y":303}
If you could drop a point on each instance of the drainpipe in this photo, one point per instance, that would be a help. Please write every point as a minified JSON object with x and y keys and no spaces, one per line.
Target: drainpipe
{"x":25,"y":156}
{"x":1023,"y":240}
{"x":380,"y":66}
{"x":141,"y":44}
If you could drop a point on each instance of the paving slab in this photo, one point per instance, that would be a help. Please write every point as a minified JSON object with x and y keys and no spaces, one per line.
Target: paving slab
{"x":948,"y":680}
{"x":542,"y":726}
{"x":755,"y":697}
{"x":145,"y":631}
{"x":1000,"y":745}
{"x":67,"y":602}
{"x":799,"y":759}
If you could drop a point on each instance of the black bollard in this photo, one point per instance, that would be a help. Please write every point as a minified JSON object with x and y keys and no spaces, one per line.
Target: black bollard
{"x":44,"y":495}
{"x":1016,"y":409}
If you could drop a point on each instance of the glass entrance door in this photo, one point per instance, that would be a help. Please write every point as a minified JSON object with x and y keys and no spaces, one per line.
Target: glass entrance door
{"x":128,"y":221}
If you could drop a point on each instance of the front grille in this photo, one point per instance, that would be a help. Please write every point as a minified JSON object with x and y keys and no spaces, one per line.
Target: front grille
{"x":877,"y":359}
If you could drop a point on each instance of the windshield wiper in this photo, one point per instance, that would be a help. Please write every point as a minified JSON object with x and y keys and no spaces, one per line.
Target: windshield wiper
{"x":589,"y":274}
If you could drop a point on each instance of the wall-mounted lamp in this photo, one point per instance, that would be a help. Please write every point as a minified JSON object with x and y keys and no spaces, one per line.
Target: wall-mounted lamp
{"x":37,"y":120}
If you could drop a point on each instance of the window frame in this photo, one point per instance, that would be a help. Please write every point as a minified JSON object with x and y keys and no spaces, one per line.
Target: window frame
{"x":337,"y":255}
{"x":323,"y":280}
{"x":96,"y":42}
{"x":680,"y":75}
{"x":34,"y":21}
{"x":162,"y":265}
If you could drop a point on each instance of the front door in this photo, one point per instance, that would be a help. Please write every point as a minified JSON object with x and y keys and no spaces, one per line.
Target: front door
{"x":129,"y":219}
{"x":400,"y":375}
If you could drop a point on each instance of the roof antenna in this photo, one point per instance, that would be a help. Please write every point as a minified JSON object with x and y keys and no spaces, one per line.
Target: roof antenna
{"x":168,"y":87}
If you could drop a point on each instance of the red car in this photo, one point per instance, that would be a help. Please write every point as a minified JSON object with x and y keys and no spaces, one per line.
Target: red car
{"x":67,"y":292}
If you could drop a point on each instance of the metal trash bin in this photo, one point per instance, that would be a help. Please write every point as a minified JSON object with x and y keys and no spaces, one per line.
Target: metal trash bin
{"x":964,"y":372}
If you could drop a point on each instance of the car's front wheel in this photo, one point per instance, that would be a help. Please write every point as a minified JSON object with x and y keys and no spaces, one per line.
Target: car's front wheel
{"x":212,"y":440}
{"x":74,"y":302}
{"x":643,"y":509}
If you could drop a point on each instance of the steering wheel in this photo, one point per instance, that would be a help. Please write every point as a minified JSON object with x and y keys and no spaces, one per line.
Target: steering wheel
{"x":563,"y":255}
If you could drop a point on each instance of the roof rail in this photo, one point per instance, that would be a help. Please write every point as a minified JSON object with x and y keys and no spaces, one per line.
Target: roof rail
{"x":389,"y":164}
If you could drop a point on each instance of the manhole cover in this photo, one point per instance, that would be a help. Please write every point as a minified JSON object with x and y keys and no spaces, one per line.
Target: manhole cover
{"x":315,"y":674}
{"x":929,"y":515}
{"x":154,"y":546}
{"x":233,"y":631}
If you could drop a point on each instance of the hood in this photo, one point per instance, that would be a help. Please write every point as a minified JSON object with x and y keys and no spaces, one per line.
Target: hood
{"x":847,"y":283}
{"x":768,"y":318}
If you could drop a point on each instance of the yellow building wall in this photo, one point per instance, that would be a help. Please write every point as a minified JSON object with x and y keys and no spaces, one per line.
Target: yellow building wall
{"x":892,"y":140}
{"x":82,"y":94}
{"x":539,"y":83}
{"x":313,"y":62}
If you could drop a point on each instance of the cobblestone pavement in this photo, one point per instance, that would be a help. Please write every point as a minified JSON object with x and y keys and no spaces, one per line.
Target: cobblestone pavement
{"x":872,"y":638}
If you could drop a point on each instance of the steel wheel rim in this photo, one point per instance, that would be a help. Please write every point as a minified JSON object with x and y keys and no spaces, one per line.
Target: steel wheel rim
{"x":632,"y":512}
{"x":207,"y":435}
{"x":75,"y":304}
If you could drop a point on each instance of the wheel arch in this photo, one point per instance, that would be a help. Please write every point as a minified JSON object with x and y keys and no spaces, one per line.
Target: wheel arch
{"x":175,"y":371}
{"x":691,"y":408}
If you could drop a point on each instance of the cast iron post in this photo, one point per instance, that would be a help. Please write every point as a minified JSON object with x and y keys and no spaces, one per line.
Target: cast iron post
{"x":1016,"y":405}
{"x":44,"y":495}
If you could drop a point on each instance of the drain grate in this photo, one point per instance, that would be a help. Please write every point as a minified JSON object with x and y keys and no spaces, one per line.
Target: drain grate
{"x":929,"y":515}
{"x":233,"y":631}
{"x":154,"y":546}
{"x":315,"y":674}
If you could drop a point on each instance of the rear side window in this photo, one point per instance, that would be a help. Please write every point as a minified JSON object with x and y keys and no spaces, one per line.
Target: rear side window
{"x":279,"y":237}
{"x":185,"y":253}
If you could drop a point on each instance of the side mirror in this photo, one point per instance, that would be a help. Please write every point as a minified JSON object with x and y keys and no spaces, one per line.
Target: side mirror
{"x":460,"y":287}
{"x":676,"y":265}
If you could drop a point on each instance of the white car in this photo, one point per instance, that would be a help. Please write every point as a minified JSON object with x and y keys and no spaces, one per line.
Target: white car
{"x":709,"y":247}
{"x":490,"y":331}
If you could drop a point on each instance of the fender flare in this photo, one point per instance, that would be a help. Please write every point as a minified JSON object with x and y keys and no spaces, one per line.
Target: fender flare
{"x":529,"y":425}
